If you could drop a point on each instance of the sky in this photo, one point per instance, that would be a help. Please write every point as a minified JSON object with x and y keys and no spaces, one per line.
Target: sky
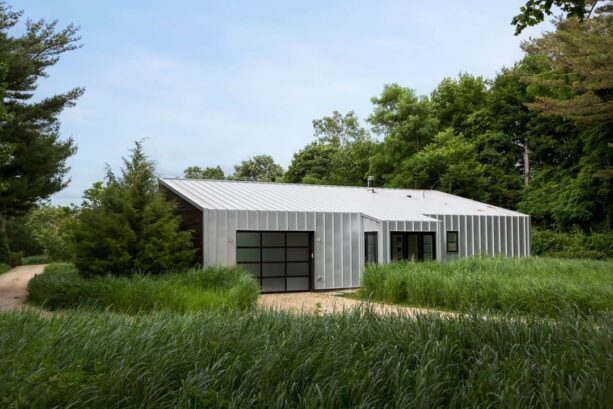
{"x":211,"y":83}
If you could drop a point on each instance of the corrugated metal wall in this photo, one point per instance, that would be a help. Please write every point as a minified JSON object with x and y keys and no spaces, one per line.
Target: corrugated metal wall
{"x":491,"y":235}
{"x":338,"y":240}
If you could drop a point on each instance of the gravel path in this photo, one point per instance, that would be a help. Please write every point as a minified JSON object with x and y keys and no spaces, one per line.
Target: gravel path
{"x":332,"y":302}
{"x":13,"y":285}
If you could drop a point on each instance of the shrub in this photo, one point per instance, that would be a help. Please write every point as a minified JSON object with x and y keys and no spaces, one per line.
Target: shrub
{"x":52,"y":227}
{"x":20,"y":237}
{"x":4,"y":268}
{"x":541,"y":286}
{"x":30,"y":260}
{"x":126,"y":226}
{"x":574,"y":244}
{"x":61,"y":286}
{"x":81,"y":359}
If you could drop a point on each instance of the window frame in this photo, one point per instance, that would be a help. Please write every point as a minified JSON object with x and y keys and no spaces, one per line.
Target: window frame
{"x":456,"y":241}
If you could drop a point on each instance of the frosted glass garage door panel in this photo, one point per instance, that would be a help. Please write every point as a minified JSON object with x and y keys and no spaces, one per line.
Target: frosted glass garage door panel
{"x":298,"y":254}
{"x":297,"y":283}
{"x":245,"y":255}
{"x":252,"y":268}
{"x":273,"y":254}
{"x":297,"y":269}
{"x":273,"y":239}
{"x":247,"y":239}
{"x":273,"y":284}
{"x":297,"y":239}
{"x":273,"y":269}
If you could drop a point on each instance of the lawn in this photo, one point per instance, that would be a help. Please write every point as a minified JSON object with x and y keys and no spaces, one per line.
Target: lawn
{"x":61,"y":286}
{"x":86,"y":359}
{"x":540,"y":286}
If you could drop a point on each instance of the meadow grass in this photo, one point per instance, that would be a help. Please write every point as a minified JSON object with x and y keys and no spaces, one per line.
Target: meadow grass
{"x":540,"y":286}
{"x":84,"y":359}
{"x":61,"y":286}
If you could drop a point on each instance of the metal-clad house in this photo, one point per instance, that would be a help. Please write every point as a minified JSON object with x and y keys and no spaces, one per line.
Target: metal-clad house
{"x":308,"y":237}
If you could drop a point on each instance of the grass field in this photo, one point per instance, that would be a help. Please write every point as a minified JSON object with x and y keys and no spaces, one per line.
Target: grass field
{"x":540,"y":286}
{"x":87,"y":359}
{"x":60,"y":286}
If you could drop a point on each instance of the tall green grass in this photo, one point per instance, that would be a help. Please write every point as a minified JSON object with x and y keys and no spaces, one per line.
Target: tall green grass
{"x":80,"y":359}
{"x":61,"y":286}
{"x":541,"y":286}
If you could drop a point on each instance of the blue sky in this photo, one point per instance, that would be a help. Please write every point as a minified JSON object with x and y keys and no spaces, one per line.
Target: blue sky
{"x":215,"y":82}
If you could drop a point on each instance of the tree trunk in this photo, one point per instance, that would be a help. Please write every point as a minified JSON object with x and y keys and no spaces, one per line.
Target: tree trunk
{"x":526,"y":161}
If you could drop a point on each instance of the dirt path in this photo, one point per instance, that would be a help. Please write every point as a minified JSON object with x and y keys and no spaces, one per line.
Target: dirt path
{"x":332,"y":302}
{"x":13,"y":285}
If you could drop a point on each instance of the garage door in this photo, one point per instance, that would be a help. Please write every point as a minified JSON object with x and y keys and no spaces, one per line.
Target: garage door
{"x":280,"y":261}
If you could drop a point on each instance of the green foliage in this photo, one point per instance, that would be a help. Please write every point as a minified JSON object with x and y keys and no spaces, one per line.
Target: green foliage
{"x":52,"y":227}
{"x":534,"y":11}
{"x":580,"y":72}
{"x":20,"y":236}
{"x":339,"y":156}
{"x":260,"y":168}
{"x":4,"y":268}
{"x":455,"y":101}
{"x":407,"y":124}
{"x":31,"y":260}
{"x":126,"y":225}
{"x":61,"y":286}
{"x":196,"y":172}
{"x":540,"y":286}
{"x":269,"y":360}
{"x":574,"y":244}
{"x":449,"y":163}
{"x":37,"y":166}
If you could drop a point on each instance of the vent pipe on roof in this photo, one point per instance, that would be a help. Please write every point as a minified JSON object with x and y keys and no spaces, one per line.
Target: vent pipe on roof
{"x":370,"y":181}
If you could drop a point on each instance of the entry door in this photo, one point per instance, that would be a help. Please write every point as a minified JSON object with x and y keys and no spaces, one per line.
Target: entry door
{"x":279,"y":261}
{"x":416,"y":246}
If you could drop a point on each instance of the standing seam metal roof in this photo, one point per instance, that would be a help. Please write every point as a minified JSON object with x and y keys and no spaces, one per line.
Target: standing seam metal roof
{"x":378,"y":203}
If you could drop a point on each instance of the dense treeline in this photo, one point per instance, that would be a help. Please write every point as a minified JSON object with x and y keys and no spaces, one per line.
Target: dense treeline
{"x":537,"y":137}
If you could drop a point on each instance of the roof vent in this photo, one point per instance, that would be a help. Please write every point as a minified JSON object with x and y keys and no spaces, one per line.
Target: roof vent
{"x":370,"y":180}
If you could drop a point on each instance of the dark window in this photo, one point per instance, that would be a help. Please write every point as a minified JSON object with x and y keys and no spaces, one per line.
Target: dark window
{"x":413,"y":246}
{"x":452,"y":242}
{"x":370,"y":247}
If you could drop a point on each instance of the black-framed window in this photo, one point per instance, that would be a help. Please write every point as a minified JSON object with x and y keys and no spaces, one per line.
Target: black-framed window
{"x":370,"y":247}
{"x":452,"y":242}
{"x":279,"y":260}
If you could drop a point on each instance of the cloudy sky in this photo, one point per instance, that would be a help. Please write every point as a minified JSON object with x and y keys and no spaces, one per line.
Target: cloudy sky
{"x":215,"y":82}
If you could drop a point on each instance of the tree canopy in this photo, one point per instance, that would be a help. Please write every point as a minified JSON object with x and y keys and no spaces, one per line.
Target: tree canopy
{"x":127,"y":226}
{"x":260,"y":168}
{"x":30,"y":128}
{"x":196,"y":172}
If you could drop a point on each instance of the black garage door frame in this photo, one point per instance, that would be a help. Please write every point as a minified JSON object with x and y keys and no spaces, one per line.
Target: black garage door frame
{"x":259,"y":260}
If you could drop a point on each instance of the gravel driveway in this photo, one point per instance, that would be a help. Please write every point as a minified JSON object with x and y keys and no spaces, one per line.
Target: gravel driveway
{"x":332,"y":302}
{"x":14,"y":283}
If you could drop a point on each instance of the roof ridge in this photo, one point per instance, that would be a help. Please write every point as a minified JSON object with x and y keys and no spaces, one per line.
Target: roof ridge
{"x":294,"y":184}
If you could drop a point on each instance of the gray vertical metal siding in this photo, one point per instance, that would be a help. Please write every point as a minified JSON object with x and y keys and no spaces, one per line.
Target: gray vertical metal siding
{"x":339,"y":238}
{"x":488,"y":235}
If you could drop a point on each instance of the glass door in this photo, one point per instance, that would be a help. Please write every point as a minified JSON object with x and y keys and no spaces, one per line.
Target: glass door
{"x":413,"y":246}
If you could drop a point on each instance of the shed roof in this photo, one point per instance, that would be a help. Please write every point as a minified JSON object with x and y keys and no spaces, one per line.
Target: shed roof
{"x":378,"y":203}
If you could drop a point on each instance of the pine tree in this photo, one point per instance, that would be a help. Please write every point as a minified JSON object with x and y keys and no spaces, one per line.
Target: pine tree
{"x":126,"y":226}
